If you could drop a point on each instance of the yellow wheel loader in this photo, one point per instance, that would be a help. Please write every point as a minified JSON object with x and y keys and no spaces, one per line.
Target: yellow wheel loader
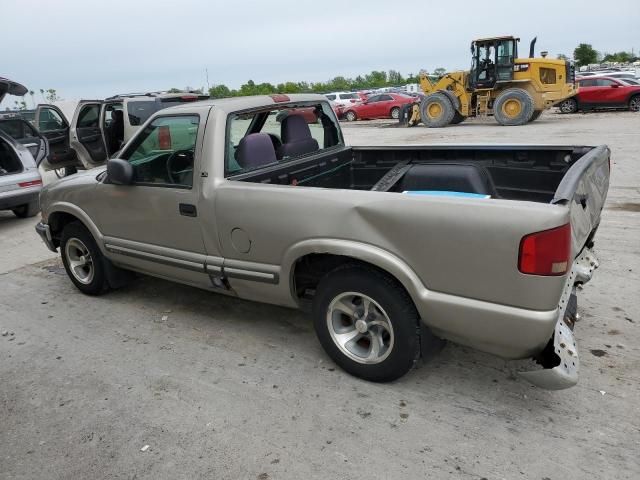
{"x":514,"y":90}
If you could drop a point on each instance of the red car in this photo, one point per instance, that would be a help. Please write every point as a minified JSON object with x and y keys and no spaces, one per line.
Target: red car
{"x":602,"y":93}
{"x":383,"y":105}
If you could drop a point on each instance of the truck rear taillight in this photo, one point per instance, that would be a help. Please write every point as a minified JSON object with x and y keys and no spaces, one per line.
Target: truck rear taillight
{"x":164,"y":138}
{"x":33,"y":183}
{"x":546,"y":253}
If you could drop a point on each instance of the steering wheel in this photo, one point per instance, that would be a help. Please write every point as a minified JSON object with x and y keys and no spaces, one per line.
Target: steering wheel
{"x":184,"y":161}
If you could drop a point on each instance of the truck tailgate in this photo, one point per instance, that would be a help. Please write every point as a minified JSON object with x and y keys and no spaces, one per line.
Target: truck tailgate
{"x":584,"y":190}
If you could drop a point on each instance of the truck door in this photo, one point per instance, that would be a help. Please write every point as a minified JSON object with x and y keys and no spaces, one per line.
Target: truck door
{"x":52,"y":124}
{"x":86,"y":134}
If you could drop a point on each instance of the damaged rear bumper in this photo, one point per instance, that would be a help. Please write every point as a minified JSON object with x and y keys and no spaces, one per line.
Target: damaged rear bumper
{"x":560,"y":358}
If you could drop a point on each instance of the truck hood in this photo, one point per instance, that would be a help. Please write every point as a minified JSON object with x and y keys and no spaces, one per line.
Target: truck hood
{"x":9,"y":87}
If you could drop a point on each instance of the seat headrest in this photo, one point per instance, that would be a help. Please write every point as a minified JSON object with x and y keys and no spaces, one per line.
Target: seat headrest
{"x":256,"y":150}
{"x":295,"y":129}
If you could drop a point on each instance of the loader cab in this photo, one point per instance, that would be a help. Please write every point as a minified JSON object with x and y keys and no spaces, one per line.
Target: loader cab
{"x":492,"y":61}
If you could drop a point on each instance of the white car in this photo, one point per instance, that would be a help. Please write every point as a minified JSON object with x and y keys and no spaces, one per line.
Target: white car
{"x":343,"y":98}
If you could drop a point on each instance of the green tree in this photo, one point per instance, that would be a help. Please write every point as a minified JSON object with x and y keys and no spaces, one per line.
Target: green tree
{"x":584,"y":54}
{"x":621,"y":57}
{"x":50,"y":95}
{"x":439,"y":72}
{"x":219,"y":91}
{"x":174,"y":90}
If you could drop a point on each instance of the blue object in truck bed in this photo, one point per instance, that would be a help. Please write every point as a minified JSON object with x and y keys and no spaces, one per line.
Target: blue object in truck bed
{"x":445,"y":193}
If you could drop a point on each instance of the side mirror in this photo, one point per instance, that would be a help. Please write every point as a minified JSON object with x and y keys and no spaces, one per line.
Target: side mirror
{"x":614,"y":85}
{"x":119,"y":172}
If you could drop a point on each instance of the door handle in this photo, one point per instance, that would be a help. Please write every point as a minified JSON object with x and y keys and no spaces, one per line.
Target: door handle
{"x":188,"y":210}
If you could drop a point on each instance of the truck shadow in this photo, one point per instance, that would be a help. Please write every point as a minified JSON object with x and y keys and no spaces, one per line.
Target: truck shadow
{"x":251,"y":328}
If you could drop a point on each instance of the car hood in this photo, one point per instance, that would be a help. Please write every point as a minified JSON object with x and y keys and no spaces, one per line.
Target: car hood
{"x":9,"y":87}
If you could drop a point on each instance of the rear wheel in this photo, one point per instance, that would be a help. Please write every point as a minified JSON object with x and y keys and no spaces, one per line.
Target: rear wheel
{"x":350,"y":116}
{"x":27,"y":210}
{"x":513,"y":107}
{"x":570,"y":105}
{"x":535,"y":115}
{"x":367,"y":323}
{"x":395,"y":113}
{"x":634,"y":104}
{"x":437,"y":110}
{"x":82,"y":259}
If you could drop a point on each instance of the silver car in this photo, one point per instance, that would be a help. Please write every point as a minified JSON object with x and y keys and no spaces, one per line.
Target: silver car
{"x":21,"y":146}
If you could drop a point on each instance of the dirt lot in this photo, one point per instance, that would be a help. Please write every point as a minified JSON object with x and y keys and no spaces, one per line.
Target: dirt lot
{"x":225,"y":389}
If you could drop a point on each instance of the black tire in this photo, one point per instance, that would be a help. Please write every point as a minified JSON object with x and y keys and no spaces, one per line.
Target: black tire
{"x":444,"y":114}
{"x":395,"y":303}
{"x":634,"y":103}
{"x":513,"y":96}
{"x":97,"y":283}
{"x":395,"y":113}
{"x":570,"y":105}
{"x":27,"y":210}
{"x":350,"y":116}
{"x":458,"y":118}
{"x":535,"y":116}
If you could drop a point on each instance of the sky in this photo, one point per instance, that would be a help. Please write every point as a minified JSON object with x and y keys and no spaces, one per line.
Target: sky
{"x":94,"y":49}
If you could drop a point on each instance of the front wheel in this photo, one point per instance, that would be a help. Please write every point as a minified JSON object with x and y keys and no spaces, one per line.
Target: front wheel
{"x":350,"y":116}
{"x":514,"y":106}
{"x":367,"y":323}
{"x":395,"y":113}
{"x":634,"y":104}
{"x":570,"y":105}
{"x":82,"y":259}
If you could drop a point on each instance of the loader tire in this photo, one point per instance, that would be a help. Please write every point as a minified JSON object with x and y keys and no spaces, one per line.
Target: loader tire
{"x":536,"y":114}
{"x":514,"y":106}
{"x":458,"y":118}
{"x":437,"y":110}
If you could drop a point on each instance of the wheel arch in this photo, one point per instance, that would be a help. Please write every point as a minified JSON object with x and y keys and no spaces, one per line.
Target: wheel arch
{"x":63,"y":213}
{"x":307,"y":262}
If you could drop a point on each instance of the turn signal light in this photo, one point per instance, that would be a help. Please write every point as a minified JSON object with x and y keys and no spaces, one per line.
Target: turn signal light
{"x":546,"y":253}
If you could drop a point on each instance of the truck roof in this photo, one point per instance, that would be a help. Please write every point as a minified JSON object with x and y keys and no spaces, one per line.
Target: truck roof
{"x":233,"y":104}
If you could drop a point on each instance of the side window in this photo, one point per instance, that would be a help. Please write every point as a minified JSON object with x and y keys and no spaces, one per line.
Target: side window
{"x":88,"y":116}
{"x":605,"y":82}
{"x":331,"y":97}
{"x":374,"y":99}
{"x":282,"y":137}
{"x":385,"y":98}
{"x":163,"y":153}
{"x":587,"y":83}
{"x":50,"y":120}
{"x":140,"y":111}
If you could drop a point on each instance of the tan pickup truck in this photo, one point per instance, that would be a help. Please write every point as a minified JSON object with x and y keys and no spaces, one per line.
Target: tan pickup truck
{"x":390,"y":248}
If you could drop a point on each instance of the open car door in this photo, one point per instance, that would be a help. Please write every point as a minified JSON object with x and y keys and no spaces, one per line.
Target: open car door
{"x":53,"y":125}
{"x":86,"y":134}
{"x":25,"y":133}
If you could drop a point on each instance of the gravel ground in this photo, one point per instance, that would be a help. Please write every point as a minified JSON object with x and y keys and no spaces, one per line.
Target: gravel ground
{"x":227,"y":389}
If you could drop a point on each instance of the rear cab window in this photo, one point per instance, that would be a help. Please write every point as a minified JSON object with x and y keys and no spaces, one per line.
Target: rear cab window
{"x":280,"y":137}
